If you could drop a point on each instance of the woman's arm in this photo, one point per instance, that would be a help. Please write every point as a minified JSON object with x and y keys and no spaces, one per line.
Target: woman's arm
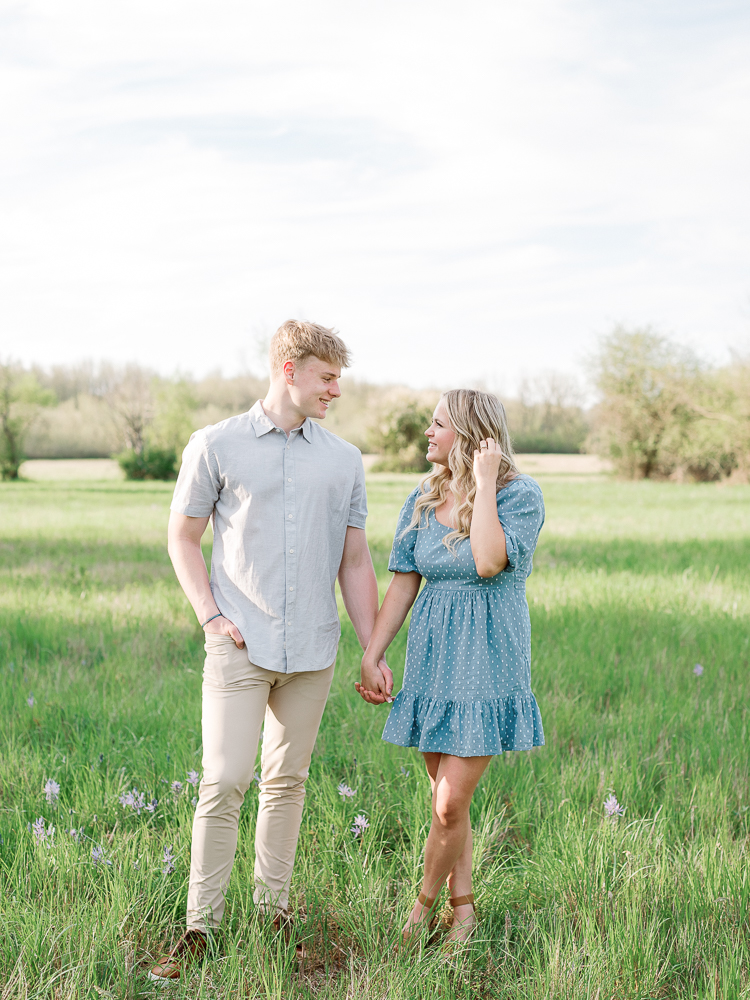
{"x":487,"y":537}
{"x":376,"y":687}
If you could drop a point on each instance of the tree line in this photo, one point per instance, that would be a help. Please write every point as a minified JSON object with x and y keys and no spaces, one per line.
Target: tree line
{"x":666,"y":413}
{"x":661,"y":412}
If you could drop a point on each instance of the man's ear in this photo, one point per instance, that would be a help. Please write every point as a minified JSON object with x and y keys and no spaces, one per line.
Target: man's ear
{"x":289,"y":372}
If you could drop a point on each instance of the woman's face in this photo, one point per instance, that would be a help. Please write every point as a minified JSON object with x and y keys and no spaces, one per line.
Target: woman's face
{"x":440,"y":436}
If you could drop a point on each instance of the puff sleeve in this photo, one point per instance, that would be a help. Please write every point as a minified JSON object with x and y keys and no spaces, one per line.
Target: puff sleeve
{"x":402,"y":553}
{"x":520,"y":509}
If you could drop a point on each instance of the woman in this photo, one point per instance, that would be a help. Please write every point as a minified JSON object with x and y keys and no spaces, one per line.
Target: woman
{"x":469,"y":529}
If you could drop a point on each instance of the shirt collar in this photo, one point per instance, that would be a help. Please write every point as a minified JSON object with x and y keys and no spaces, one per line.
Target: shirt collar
{"x":263,"y":424}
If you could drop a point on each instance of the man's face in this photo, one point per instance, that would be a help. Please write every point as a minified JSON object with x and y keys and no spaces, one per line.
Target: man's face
{"x":315,"y":384}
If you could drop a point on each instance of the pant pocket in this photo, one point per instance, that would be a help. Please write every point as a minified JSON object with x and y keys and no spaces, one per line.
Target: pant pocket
{"x":214,"y":640}
{"x":225,"y":665}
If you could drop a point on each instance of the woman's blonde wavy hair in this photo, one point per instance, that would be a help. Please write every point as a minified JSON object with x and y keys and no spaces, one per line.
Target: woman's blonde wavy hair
{"x":474,"y":416}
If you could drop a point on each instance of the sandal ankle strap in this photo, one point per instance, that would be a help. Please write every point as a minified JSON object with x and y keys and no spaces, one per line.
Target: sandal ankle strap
{"x":463,"y":901}
{"x":426,"y":901}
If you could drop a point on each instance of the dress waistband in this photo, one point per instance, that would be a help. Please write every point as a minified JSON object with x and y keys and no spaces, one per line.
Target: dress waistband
{"x":491,"y":584}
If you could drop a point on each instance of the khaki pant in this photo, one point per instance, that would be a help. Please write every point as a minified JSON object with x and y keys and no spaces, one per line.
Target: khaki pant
{"x":237,"y":698}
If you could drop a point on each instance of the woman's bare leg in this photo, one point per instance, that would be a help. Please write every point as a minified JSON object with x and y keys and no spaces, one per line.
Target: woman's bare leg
{"x":448,"y":848}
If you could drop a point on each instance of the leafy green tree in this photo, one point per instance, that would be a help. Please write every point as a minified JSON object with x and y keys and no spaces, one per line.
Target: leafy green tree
{"x":21,"y":396}
{"x":719,"y":444}
{"x":175,"y":403}
{"x":155,"y":417}
{"x":647,"y":414}
{"x":398,"y":435}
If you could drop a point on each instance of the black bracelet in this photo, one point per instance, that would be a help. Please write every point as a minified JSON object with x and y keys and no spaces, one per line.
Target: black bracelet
{"x":220,"y":615}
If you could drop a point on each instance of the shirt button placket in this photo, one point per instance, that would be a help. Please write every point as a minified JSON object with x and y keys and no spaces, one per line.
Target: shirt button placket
{"x":290,"y":554}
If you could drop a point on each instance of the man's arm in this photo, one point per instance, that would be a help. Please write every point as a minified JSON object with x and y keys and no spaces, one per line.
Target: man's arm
{"x":184,"y":545}
{"x":359,"y":587}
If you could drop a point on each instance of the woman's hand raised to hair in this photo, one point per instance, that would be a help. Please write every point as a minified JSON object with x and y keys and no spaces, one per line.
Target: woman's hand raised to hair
{"x":487,"y":460}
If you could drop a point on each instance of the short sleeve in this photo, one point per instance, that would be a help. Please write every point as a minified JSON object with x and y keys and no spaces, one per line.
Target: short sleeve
{"x":358,"y":501}
{"x":520,"y":508}
{"x":402,"y":553}
{"x":198,"y":484}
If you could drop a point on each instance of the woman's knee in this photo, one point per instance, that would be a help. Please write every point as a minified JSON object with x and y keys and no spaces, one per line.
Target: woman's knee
{"x":451,"y":809}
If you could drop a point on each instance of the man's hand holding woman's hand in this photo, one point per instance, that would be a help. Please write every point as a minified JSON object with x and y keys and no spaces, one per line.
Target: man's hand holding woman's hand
{"x":222,"y":626}
{"x":376,"y":684}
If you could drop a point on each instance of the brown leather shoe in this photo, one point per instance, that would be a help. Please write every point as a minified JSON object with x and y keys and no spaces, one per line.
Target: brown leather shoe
{"x":283,"y":923}
{"x":190,"y":948}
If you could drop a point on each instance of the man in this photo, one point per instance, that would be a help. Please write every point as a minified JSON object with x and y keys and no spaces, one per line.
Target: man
{"x":288,"y":507}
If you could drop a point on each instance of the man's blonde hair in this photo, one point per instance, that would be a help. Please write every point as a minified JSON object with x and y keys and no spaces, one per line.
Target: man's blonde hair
{"x":297,"y":341}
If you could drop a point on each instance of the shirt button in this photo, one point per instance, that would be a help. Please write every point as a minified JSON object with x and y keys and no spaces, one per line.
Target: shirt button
{"x":291,"y":588}
{"x":291,"y":516}
{"x":291,"y":550}
{"x":289,"y":480}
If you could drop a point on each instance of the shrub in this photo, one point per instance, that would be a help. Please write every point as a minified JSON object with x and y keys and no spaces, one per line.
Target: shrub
{"x":21,"y":396}
{"x":151,"y":463}
{"x":399,"y":437}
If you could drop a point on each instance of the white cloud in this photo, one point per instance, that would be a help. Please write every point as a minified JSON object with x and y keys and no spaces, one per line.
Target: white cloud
{"x":464,"y":192}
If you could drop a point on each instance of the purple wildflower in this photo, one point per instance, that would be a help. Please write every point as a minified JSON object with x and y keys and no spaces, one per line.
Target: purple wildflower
{"x":30,"y":701}
{"x":176,"y":787}
{"x":613,"y":808}
{"x":151,"y":806}
{"x":193,"y":778}
{"x":42,"y":835}
{"x":194,"y":802}
{"x":698,"y":670}
{"x":75,"y":835}
{"x":169,"y":860}
{"x":133,"y":800}
{"x":345,"y":791}
{"x":52,"y":791}
{"x":360,"y":825}
{"x":97,"y":856}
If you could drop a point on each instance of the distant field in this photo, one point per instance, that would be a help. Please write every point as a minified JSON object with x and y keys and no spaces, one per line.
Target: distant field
{"x":107,"y":468}
{"x":634,"y":584}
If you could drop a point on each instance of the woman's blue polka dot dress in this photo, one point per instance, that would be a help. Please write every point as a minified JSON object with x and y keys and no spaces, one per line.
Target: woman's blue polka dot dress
{"x":467,"y":682}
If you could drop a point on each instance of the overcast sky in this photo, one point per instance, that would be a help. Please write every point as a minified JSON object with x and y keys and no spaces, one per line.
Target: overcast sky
{"x":464,"y":190}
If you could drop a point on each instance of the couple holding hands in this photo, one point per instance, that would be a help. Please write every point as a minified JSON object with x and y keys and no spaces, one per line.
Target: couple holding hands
{"x":288,"y":508}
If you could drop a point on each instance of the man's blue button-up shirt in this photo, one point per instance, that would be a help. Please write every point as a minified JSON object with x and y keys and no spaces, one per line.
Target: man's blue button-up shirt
{"x":279,"y":506}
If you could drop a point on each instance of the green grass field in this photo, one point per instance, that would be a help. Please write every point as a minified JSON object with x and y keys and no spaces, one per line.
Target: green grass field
{"x":100,"y":659}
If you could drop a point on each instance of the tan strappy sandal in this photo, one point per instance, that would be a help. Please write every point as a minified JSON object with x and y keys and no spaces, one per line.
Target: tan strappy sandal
{"x":429,"y":905}
{"x":461,"y":901}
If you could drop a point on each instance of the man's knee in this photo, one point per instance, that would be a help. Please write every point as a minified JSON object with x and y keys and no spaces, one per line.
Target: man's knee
{"x":283,"y":786}
{"x":225,"y":787}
